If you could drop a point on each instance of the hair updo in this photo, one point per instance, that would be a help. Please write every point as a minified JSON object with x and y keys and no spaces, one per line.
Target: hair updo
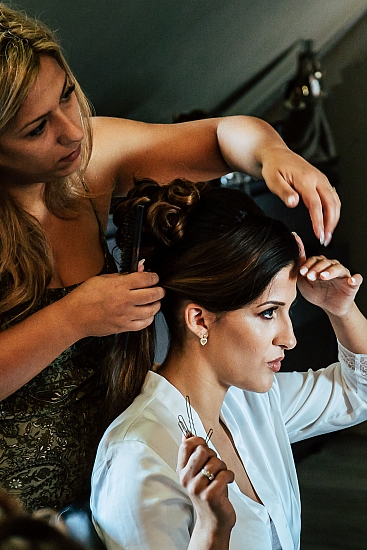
{"x":209,"y":245}
{"x":167,"y":210}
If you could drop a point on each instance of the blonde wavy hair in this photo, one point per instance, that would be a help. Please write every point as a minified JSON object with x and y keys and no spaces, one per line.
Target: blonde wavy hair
{"x":25,"y":258}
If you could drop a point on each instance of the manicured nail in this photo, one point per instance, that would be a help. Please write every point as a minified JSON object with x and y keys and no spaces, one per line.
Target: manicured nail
{"x":141,"y":262}
{"x":322,"y":237}
{"x":303,"y":270}
{"x":325,"y":274}
{"x":291,"y":200}
{"x":311,"y":276}
{"x":353,"y":280}
{"x":328,"y":238}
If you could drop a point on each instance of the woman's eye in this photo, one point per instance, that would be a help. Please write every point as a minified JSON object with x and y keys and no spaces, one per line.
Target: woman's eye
{"x":39,"y":129}
{"x":268,"y":313}
{"x":66,"y":96}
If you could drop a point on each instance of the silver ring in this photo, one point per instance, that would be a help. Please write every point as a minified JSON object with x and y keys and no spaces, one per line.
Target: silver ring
{"x":207,"y":474}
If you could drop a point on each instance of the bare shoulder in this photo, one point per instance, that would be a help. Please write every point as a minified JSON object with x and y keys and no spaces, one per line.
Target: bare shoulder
{"x":117,"y":147}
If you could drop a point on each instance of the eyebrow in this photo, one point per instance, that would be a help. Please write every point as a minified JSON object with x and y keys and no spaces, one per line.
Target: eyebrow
{"x":66,"y":82}
{"x":272,"y":302}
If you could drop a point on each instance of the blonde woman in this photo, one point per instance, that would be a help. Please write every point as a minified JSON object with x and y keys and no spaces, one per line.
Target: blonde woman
{"x":61,"y":299}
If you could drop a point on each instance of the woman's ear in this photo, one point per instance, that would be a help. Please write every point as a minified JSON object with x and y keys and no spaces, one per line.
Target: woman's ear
{"x":198,"y":320}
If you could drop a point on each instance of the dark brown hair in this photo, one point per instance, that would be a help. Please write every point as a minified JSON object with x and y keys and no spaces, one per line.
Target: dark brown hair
{"x":212,"y":246}
{"x":42,"y":530}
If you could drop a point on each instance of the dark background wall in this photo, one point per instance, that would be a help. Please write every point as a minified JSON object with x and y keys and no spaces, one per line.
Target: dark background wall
{"x":149,"y":60}
{"x":346,"y":80}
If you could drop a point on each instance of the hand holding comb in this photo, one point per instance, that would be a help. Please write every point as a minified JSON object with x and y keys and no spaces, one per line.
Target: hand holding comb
{"x":128,"y":238}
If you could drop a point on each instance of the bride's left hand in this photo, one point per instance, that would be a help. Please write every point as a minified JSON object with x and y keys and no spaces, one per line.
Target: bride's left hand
{"x":328,"y":284}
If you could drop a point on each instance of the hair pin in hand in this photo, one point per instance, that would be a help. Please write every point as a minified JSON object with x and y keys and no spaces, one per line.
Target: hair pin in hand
{"x":189,"y":415}
{"x":208,"y":435}
{"x":183,"y":427}
{"x":189,"y":431}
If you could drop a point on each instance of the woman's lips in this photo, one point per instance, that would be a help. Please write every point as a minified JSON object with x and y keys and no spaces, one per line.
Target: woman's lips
{"x":73,"y":156}
{"x":276,"y":364}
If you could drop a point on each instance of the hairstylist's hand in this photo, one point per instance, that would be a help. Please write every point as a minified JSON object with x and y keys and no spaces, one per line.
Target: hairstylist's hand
{"x":109,"y":304}
{"x":289,"y":176}
{"x":215,"y":513}
{"x":328,"y":284}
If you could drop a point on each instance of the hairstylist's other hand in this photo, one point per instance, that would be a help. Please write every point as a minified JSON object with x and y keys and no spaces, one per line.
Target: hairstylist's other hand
{"x":289,"y":176}
{"x":109,"y":304}
{"x":328,"y":284}
{"x":215,"y":513}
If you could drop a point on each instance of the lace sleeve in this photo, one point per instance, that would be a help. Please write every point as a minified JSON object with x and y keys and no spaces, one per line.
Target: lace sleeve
{"x":354,"y":368}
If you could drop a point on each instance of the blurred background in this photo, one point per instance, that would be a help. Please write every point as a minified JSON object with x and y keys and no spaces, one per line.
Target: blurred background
{"x":301,"y":65}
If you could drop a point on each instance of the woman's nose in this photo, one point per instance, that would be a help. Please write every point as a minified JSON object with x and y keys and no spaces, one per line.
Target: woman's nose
{"x":70,"y":131}
{"x":285,"y":337}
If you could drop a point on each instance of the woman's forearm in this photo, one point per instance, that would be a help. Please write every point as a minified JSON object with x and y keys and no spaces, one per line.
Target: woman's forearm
{"x":351,"y":330}
{"x":209,"y":538}
{"x":31,"y":345}
{"x":102,"y":305}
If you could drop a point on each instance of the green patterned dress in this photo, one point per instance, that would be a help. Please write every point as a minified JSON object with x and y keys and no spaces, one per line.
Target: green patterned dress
{"x":50,"y":428}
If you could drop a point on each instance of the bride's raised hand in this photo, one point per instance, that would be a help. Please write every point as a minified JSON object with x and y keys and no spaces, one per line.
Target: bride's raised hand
{"x":328,"y":284}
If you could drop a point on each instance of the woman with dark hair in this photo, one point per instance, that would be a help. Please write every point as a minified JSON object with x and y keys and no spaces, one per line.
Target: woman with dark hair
{"x":230,"y":277}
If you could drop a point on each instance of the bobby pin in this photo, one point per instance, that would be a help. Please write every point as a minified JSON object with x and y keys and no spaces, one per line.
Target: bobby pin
{"x":183,"y":427}
{"x":190,"y":432}
{"x":189,"y":415}
{"x":186,"y":432}
{"x":208,"y":435}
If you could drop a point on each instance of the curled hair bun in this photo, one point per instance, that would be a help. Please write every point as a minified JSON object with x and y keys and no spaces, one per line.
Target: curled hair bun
{"x":167,"y":216}
{"x":167,"y":208}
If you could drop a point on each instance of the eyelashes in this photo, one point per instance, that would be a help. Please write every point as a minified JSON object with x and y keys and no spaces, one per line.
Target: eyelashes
{"x":269,"y":313}
{"x":68,"y":92}
{"x":64,"y":99}
{"x":39,"y":129}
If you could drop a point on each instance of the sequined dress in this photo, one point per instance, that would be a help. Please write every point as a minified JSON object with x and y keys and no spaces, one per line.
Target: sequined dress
{"x":50,"y":428}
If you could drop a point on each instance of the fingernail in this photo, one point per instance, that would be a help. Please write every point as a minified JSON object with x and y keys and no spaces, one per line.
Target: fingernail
{"x":311,"y":276}
{"x":322,"y":237}
{"x":354,"y":280}
{"x":141,"y":262}
{"x":325,"y":274}
{"x":291,"y":200}
{"x":328,"y":238}
{"x":303,"y":270}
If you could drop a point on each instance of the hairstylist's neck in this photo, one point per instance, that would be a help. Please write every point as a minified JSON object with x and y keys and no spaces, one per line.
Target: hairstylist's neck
{"x":192,"y":375}
{"x":29,"y":196}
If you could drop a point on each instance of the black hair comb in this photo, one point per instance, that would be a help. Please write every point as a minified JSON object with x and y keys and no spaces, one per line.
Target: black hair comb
{"x":128,"y":237}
